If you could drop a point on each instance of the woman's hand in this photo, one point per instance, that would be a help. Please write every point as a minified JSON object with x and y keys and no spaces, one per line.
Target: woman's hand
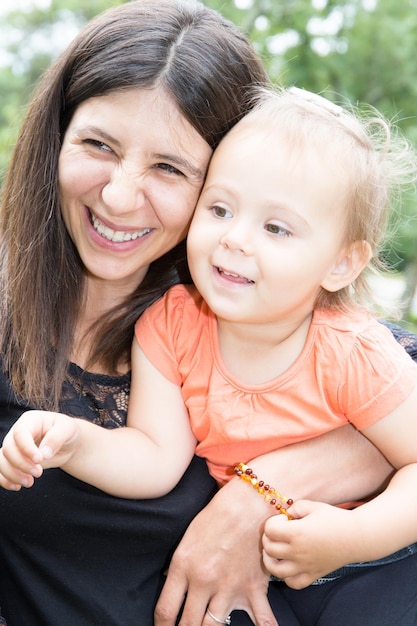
{"x":218,"y":564}
{"x":219,"y":561}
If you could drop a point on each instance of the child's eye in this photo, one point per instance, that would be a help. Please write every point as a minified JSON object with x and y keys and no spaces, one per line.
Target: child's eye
{"x":221,"y":212}
{"x":276,"y":229}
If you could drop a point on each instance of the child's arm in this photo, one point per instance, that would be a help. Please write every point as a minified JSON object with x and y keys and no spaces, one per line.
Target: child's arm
{"x":323,"y":538}
{"x":144,"y":460}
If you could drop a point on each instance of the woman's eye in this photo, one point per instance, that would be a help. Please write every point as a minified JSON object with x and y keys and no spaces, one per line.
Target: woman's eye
{"x":96,"y":143}
{"x":220,"y":211}
{"x":170,"y":169}
{"x":276,"y":229}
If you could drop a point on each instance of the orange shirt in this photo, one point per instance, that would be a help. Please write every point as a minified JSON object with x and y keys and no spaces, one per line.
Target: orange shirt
{"x":350,"y":370}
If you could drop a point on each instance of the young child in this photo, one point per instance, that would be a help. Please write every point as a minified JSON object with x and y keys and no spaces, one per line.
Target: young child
{"x":273,"y":346}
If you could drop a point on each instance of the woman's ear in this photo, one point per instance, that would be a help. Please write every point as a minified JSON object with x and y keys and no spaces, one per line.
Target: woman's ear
{"x":353,"y":260}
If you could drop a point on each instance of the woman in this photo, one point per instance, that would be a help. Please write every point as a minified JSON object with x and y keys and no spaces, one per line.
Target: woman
{"x":101,"y":188}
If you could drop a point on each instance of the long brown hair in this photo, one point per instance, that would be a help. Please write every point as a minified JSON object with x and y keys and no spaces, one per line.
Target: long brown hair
{"x":208,"y":67}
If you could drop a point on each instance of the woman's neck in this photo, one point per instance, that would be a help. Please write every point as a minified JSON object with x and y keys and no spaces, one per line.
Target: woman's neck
{"x":99,"y":300}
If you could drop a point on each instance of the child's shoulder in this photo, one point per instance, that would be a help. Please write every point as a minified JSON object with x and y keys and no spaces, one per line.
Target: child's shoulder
{"x":182,"y":305}
{"x":356,"y":322}
{"x":356,"y":333}
{"x":183,"y":295}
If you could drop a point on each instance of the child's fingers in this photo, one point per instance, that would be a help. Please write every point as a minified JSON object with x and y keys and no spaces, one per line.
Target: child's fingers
{"x":34,"y":443}
{"x":51,"y":431}
{"x":274,"y":566}
{"x":277,"y":528}
{"x":56,"y":439}
{"x":13,"y":486}
{"x":12,"y":477}
{"x":6,"y":484}
{"x":16,"y":468}
{"x":20,"y":450}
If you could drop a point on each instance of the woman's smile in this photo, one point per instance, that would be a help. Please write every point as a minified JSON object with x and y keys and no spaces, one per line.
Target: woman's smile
{"x":114,"y":235}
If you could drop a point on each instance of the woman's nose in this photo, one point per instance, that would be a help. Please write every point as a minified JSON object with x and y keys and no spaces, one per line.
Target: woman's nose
{"x":124,"y":192}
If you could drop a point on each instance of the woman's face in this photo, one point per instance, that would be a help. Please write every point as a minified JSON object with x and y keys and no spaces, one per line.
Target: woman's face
{"x":130,"y":172}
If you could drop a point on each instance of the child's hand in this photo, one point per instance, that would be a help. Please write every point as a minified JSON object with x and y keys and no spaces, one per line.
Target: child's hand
{"x":38,"y":440}
{"x":311,"y":545}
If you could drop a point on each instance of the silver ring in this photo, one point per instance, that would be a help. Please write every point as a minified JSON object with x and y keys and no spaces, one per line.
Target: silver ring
{"x":227,"y":621}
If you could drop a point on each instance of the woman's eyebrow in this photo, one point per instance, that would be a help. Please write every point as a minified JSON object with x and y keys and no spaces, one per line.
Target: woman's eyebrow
{"x":95,"y":130}
{"x":182,"y":163}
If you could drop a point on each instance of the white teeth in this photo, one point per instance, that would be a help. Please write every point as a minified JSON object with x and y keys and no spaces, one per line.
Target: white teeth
{"x":117,"y":236}
{"x":238,"y":277}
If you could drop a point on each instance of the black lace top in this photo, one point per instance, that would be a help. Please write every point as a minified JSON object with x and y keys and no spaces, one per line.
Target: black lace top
{"x":99,"y":398}
{"x":70,"y":554}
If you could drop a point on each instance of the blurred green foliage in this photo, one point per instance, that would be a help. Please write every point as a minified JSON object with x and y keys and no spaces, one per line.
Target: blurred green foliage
{"x":363,"y":50}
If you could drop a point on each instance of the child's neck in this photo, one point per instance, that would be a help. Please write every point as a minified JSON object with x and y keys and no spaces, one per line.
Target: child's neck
{"x":257,"y":354}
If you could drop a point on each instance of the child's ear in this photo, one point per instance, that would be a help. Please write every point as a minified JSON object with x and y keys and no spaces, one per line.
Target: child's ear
{"x":353,"y":260}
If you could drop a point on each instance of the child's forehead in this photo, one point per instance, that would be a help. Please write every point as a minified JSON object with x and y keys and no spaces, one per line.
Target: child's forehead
{"x":253,"y":139}
{"x":258,"y":143}
{"x":298,"y":126}
{"x":258,"y":127}
{"x":259,"y":138}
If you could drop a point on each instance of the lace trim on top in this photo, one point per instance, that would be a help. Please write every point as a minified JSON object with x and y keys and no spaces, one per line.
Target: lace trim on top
{"x":405,"y":338}
{"x":99,"y":398}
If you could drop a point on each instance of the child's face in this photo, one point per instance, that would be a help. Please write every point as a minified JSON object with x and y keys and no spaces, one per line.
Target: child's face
{"x":269,"y":227}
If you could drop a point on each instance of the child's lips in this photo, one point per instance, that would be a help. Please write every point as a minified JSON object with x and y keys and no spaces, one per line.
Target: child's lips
{"x":233,"y":276}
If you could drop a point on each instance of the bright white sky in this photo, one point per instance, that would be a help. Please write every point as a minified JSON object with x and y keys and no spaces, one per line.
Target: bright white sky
{"x":55,"y":39}
{"x":22,"y":5}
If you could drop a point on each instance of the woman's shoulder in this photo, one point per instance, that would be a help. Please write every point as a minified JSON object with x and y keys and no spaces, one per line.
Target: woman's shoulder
{"x":406,"y":338}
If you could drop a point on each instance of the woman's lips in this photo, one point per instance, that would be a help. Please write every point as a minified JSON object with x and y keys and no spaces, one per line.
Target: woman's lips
{"x":116,"y":236}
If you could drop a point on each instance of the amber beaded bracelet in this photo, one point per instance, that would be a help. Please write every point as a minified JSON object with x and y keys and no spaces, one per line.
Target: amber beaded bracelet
{"x":269,"y":494}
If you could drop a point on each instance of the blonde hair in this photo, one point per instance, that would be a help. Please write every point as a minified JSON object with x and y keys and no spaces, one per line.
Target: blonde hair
{"x":377,"y":160}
